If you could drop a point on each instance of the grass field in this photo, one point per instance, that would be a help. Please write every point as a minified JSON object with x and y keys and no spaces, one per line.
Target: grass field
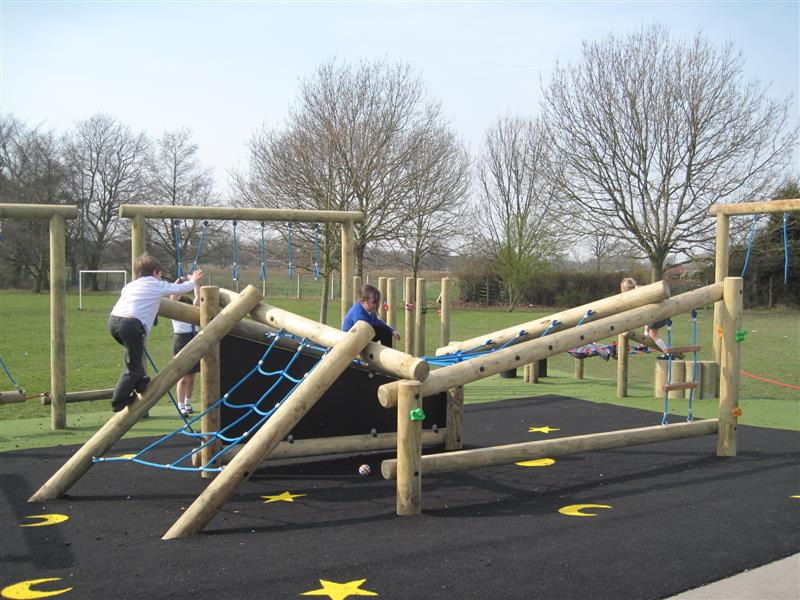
{"x":770,"y":349}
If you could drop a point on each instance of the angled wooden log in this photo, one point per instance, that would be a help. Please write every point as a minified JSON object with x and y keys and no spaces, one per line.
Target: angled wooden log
{"x":556,"y":343}
{"x":292,"y":409}
{"x":122,"y":421}
{"x":647,"y":294}
{"x":379,"y":357}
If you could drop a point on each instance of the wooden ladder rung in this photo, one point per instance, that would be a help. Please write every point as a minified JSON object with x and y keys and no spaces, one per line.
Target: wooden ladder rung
{"x":682,"y":349}
{"x":670,"y":387}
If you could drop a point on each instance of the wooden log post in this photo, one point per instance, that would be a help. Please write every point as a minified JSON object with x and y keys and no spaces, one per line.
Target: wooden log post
{"x":58,"y":323}
{"x":556,"y":343}
{"x":729,"y":367}
{"x":383,"y":302}
{"x":465,"y":460}
{"x":578,"y":371}
{"x":209,"y":380}
{"x":444,"y":312}
{"x":678,"y":368}
{"x":408,"y":297}
{"x":709,"y":379}
{"x":660,"y":378}
{"x":623,"y":347}
{"x":377,"y":356}
{"x":419,"y":318}
{"x":349,"y":290}
{"x":292,"y":409}
{"x":409,"y":450}
{"x":391,"y":300}
{"x":455,"y":418}
{"x":356,"y":289}
{"x":121,"y":422}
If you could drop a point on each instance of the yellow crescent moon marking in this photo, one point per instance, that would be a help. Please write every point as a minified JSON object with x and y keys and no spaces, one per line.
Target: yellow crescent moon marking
{"x":798,"y":496}
{"x":575,"y":510}
{"x":23,"y":591}
{"x":45,"y":520}
{"x":539,"y":462}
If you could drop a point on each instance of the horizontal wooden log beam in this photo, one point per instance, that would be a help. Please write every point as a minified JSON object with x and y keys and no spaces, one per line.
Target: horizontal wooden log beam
{"x":464,"y":460}
{"x":377,"y":356}
{"x":83,"y":396}
{"x":13,"y":397}
{"x":37,"y":211}
{"x":755,"y":208}
{"x":128,"y":211}
{"x":534,"y":350}
{"x":647,"y":294}
{"x":340,"y":445}
{"x":680,"y":350}
{"x":675,"y":387}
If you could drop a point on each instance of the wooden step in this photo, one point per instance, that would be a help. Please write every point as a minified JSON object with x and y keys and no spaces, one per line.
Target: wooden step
{"x":682,"y":350}
{"x":680,"y":386}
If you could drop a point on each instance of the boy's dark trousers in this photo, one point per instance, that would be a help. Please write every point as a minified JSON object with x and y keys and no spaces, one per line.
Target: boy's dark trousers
{"x":131,"y":334}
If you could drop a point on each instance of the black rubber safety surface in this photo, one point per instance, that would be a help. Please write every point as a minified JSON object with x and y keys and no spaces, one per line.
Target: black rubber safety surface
{"x":678,"y":517}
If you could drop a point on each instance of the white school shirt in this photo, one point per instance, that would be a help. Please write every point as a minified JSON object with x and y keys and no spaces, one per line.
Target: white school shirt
{"x":141,"y":297}
{"x":182,"y":327}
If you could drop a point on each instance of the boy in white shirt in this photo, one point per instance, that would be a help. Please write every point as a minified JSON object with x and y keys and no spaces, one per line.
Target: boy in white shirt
{"x":132,"y":318}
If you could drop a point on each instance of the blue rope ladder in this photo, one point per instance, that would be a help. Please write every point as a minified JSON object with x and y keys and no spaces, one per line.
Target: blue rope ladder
{"x":264,"y":407}
{"x":689,"y":415}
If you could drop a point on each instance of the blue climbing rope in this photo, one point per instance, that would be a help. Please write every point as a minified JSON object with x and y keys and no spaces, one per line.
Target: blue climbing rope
{"x":169,"y":392}
{"x":785,"y":249}
{"x":588,"y":314}
{"x":260,"y":408}
{"x":10,"y":377}
{"x":316,"y":250}
{"x":289,"y":252}
{"x":749,"y":244}
{"x":689,"y":415}
{"x":664,"y":418}
{"x":177,"y":227}
{"x":263,"y":255}
{"x":199,"y":247}
{"x":235,"y":257}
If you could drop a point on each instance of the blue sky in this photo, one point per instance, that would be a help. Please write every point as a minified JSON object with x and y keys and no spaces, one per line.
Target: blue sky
{"x":224,"y":69}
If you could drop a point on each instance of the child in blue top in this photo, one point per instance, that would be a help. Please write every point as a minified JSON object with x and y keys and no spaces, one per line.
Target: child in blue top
{"x":366,"y":309}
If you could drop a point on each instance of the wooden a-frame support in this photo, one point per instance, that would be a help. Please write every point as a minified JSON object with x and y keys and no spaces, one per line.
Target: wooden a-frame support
{"x":293,"y":408}
{"x":122,"y":421}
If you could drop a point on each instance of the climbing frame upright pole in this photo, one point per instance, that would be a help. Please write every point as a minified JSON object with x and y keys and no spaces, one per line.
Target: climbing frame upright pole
{"x":58,"y":324}
{"x":720,"y":273}
{"x":209,"y":378}
{"x":348,"y":259}
{"x":409,"y":450}
{"x":729,"y":366}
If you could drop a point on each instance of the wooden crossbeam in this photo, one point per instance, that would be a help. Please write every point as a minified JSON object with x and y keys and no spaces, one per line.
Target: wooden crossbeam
{"x":670,"y":387}
{"x":675,"y":350}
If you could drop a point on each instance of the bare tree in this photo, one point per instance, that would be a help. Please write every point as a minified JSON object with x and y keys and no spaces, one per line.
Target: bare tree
{"x":176,"y":177}
{"x":349,"y":144}
{"x":31,"y":171}
{"x":107,"y":165}
{"x":518,"y":208}
{"x":650,"y":131}
{"x":434,"y":218}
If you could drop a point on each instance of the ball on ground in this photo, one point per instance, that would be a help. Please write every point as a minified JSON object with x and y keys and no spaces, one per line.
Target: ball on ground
{"x":364,"y":470}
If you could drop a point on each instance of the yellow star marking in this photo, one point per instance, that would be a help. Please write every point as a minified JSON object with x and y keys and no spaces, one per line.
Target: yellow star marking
{"x":284,"y":497}
{"x":340,"y":591}
{"x":576,"y":510}
{"x":23,"y":591}
{"x":539,"y":462}
{"x":545,"y":429}
{"x":46,"y":520}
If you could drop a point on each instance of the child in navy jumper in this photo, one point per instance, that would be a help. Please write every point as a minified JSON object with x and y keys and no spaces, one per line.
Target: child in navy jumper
{"x":132,"y":318}
{"x":366,"y":309}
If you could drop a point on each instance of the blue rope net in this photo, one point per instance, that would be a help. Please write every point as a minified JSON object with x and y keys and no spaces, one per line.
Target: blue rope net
{"x":262,"y":408}
{"x":10,"y":377}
